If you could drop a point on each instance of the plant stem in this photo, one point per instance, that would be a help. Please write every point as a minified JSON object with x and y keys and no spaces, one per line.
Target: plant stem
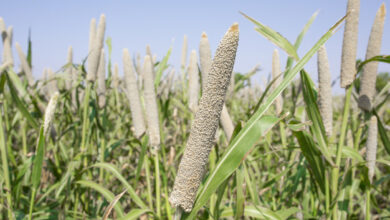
{"x":85,"y":121}
{"x":32,"y":201}
{"x":344,"y":123}
{"x":149,"y":185}
{"x":368,"y":214}
{"x":178,"y":213}
{"x":158,"y":185}
{"x":6,"y":174}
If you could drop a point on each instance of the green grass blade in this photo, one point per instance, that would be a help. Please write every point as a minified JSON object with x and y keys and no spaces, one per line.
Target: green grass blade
{"x":19,"y":104}
{"x":383,"y":135}
{"x":161,"y":67}
{"x":255,"y":212}
{"x":109,"y":45}
{"x":37,"y":169}
{"x":285,"y":214}
{"x":313,"y":157}
{"x":349,"y":152}
{"x":29,"y":49}
{"x":299,"y":39}
{"x":5,"y":166}
{"x":38,"y":160}
{"x":134,"y":214}
{"x":274,"y":37}
{"x":109,"y":196}
{"x":318,"y":129}
{"x":113,"y":170}
{"x":232,"y":159}
{"x":379,"y":58}
{"x":240,"y":196}
{"x":17,"y":83}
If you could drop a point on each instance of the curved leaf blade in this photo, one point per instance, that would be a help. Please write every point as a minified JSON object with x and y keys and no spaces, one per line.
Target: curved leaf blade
{"x":109,"y":196}
{"x":113,"y":170}
{"x":274,"y":37}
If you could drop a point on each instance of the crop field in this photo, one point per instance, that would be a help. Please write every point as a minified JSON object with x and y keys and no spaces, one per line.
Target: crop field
{"x":197,"y":141}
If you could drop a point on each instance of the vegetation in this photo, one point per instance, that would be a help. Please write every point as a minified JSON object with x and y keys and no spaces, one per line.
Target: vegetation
{"x":83,"y":144}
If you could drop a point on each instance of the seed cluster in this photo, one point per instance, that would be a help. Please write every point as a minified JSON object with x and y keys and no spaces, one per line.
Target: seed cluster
{"x":205,"y":124}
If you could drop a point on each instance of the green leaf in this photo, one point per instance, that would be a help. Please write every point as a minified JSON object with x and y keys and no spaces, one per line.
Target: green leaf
{"x":313,"y":157}
{"x":297,"y":126}
{"x":134,"y":214}
{"x":255,"y":212}
{"x":161,"y":67}
{"x":299,"y":39}
{"x":3,"y":79}
{"x":284,"y":214}
{"x":240,"y":195}
{"x":352,"y":153}
{"x":379,"y":58}
{"x":29,"y":50}
{"x":109,"y":45}
{"x":20,"y":105}
{"x":382,"y":133}
{"x":232,"y":158}
{"x":274,"y":37}
{"x":109,"y":196}
{"x":66,"y":177}
{"x":318,"y":129}
{"x":113,"y":170}
{"x":38,"y":160}
{"x":17,"y":83}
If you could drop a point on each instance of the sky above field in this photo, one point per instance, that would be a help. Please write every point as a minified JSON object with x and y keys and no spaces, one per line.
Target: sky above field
{"x":55,"y":25}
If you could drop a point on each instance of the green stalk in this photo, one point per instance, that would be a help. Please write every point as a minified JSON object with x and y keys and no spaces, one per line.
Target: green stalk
{"x":37,"y":169}
{"x":84,"y":137}
{"x":5,"y":169}
{"x":149,"y":185}
{"x":85,"y":121}
{"x":283,"y":135}
{"x":102,"y":150}
{"x":32,"y":200}
{"x":76,"y":203}
{"x":178,"y":213}
{"x":368,"y":213}
{"x":24,"y":138}
{"x":353,"y":162}
{"x":158,"y":184}
{"x":344,"y":123}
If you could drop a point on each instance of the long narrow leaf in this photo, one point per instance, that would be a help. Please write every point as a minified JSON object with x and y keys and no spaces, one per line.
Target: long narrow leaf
{"x":382,"y":133}
{"x":299,"y":39}
{"x":232,"y":159}
{"x":317,"y":128}
{"x":38,"y":160}
{"x":113,"y":170}
{"x":134,"y":214}
{"x":109,"y":196}
{"x":20,"y":105}
{"x":274,"y":37}
{"x":161,"y":67}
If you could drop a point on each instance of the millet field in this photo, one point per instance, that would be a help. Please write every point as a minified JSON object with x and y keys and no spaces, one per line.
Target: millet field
{"x":150,"y":140}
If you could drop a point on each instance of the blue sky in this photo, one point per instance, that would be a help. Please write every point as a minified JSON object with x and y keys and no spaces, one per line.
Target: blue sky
{"x":55,"y":25}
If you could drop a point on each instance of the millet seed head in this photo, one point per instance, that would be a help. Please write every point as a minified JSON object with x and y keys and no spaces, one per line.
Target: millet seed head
{"x":133,"y":95}
{"x":193,"y":163}
{"x":151,"y":103}
{"x":348,"y":56}
{"x":325,"y":90}
{"x":368,"y":77}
